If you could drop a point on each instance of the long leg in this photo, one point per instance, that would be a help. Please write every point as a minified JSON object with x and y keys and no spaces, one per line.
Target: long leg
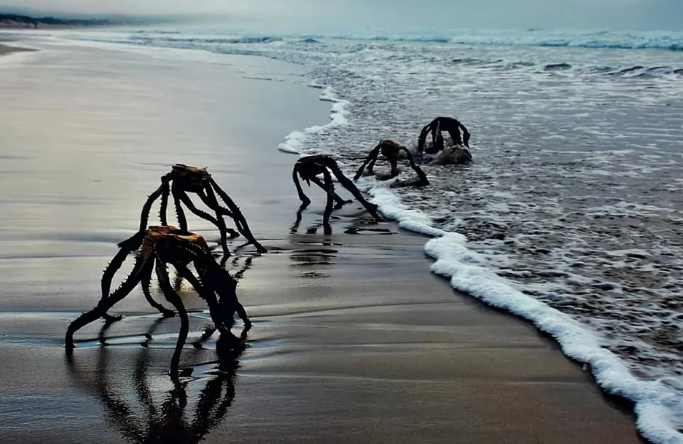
{"x":134,"y":242}
{"x":455,"y":135}
{"x":221,"y":211}
{"x":346,"y":183}
{"x":437,"y":138}
{"x":218,"y":222}
{"x":105,"y":304}
{"x":305,"y":201}
{"x":335,"y":196}
{"x":423,"y":137}
{"x":209,"y":296}
{"x":180,"y":213}
{"x":174,"y":298}
{"x":329,"y":188}
{"x":465,"y":134}
{"x":417,"y":169}
{"x":371,"y":159}
{"x":210,"y":200}
{"x":107,"y":277}
{"x":146,"y":282}
{"x":394,"y":166}
{"x":241,"y":221}
{"x":436,"y":133}
{"x":164,"y":203}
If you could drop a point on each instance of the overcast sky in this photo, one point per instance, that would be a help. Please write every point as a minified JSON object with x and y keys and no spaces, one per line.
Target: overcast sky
{"x":624,"y":14}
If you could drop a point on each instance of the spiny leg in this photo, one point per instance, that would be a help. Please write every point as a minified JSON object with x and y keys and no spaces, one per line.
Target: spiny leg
{"x":209,"y":296}
{"x":146,"y":282}
{"x":372,"y":157}
{"x":423,"y":137}
{"x":372,"y":208}
{"x":221,"y":211}
{"x":436,"y":133}
{"x":180,"y":213}
{"x":174,"y":298}
{"x":329,"y":188}
{"x":305,"y":201}
{"x":371,"y":166}
{"x":337,"y":198}
{"x":104,"y":305}
{"x":243,"y":226}
{"x":107,"y":277}
{"x":394,"y":167}
{"x":134,"y":242}
{"x":218,"y":222}
{"x":108,"y":319}
{"x":210,"y":201}
{"x":164,"y":203}
{"x":417,"y":169}
{"x":465,"y":135}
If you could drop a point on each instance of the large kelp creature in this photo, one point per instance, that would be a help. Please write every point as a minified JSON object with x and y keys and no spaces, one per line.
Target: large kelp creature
{"x":310,"y":167}
{"x":392,"y":152}
{"x":161,"y":246}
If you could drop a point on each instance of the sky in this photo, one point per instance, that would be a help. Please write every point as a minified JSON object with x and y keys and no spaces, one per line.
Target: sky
{"x":588,"y":14}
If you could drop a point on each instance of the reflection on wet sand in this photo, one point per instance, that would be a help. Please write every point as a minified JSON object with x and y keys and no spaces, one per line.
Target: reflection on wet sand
{"x":313,"y":228}
{"x":313,"y":256}
{"x":166,"y":420}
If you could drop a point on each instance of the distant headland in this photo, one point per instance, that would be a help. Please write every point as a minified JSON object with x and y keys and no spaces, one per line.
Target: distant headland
{"x":32,"y":20}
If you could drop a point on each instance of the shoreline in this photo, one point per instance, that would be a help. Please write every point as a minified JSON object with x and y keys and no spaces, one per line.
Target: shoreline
{"x":354,"y":340}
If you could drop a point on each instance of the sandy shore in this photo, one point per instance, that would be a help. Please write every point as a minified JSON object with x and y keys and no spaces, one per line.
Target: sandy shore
{"x":353,"y":340}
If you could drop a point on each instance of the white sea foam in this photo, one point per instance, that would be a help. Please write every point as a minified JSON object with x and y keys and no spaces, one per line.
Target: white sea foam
{"x":293,"y":141}
{"x":658,"y":404}
{"x":339,"y":114}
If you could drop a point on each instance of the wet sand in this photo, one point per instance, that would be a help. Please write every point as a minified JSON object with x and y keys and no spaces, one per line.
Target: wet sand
{"x":353,"y":339}
{"x":4,"y":49}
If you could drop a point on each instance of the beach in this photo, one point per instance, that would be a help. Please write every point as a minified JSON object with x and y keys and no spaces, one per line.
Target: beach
{"x":353,"y":339}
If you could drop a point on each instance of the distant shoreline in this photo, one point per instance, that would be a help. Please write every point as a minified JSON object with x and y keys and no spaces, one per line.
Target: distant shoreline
{"x":33,"y":20}
{"x":20,"y":21}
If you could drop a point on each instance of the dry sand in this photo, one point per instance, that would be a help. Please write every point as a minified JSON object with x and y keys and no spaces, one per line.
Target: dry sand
{"x":353,"y":339}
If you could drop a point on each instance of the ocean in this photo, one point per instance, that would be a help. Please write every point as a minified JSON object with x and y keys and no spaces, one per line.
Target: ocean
{"x":570,"y":215}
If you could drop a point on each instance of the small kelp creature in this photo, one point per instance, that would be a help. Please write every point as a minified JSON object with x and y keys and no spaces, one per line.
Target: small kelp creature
{"x":436,"y":126}
{"x":184,"y":179}
{"x":309,"y":167}
{"x":391,"y":151}
{"x":163,"y":245}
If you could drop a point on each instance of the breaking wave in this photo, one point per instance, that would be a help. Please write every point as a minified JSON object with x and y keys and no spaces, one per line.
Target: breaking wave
{"x":669,"y":41}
